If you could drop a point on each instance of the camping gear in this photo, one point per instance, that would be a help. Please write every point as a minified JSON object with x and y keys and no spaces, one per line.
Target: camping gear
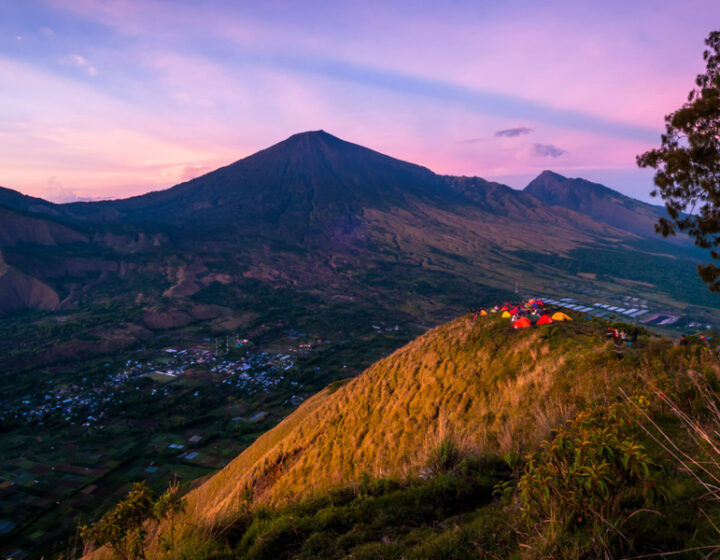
{"x":522,"y":323}
{"x":505,"y":315}
{"x":544,"y":320}
{"x":560,"y":316}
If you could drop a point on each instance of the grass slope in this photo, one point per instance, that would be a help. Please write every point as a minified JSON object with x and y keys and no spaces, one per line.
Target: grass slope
{"x":478,"y":381}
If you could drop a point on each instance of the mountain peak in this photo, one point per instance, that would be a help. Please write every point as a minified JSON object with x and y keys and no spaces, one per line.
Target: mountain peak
{"x":548,"y":174}
{"x":601,"y":203}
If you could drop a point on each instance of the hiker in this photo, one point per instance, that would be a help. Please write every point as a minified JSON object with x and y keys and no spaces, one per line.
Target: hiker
{"x":634,"y":336}
{"x":609,"y":334}
{"x":683,"y":340}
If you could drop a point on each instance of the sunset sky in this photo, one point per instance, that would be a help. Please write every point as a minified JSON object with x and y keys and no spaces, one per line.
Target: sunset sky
{"x":112,"y":98}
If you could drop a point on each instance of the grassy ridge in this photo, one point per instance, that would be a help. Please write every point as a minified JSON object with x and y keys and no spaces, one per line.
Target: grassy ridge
{"x":395,"y":463}
{"x":488,"y":387}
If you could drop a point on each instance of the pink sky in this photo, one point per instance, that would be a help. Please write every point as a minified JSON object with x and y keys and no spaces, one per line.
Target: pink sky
{"x":112,"y":98}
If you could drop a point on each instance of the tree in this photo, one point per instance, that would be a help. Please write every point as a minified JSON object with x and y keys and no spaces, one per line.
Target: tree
{"x":688,"y":165}
{"x":169,"y":506}
{"x":123,"y":527}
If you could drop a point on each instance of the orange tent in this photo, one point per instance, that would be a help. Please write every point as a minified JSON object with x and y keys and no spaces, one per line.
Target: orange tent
{"x":560,"y":316}
{"x":544,"y":320}
{"x":483,"y":312}
{"x":522,"y":323}
{"x":504,"y":308}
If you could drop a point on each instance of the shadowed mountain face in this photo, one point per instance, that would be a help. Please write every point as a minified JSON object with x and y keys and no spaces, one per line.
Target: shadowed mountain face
{"x":312,"y":183}
{"x":320,"y":214}
{"x":597,"y":201}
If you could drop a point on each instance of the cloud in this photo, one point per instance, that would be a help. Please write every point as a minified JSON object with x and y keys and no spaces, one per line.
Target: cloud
{"x":512,"y":132}
{"x":547,"y":150}
{"x":47,"y":32}
{"x":474,"y":140}
{"x":81,"y":62}
{"x":191,"y":171}
{"x":56,"y":192}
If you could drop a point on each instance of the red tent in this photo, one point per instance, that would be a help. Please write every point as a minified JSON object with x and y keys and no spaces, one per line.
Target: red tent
{"x":544,"y":320}
{"x":504,"y":308}
{"x":522,"y":323}
{"x":539,"y":302}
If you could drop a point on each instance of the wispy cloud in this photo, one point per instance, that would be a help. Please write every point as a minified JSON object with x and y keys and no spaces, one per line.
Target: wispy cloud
{"x":547,"y":150}
{"x":474,"y":140}
{"x":512,"y":132}
{"x":81,"y":62}
{"x":55,"y":191}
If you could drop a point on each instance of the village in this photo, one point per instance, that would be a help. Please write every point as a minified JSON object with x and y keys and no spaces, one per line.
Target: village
{"x":89,"y":401}
{"x":209,"y":399}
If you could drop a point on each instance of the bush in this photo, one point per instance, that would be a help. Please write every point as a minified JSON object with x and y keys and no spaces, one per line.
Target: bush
{"x":588,"y":479}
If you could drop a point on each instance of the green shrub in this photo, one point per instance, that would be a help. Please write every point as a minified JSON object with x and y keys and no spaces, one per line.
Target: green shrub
{"x":588,"y":479}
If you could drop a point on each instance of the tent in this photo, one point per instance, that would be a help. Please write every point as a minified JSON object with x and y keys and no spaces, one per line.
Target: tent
{"x":560,"y":316}
{"x":544,"y":320}
{"x":539,"y":302}
{"x":522,"y":323}
{"x":504,"y":308}
{"x":505,"y":315}
{"x":483,"y":312}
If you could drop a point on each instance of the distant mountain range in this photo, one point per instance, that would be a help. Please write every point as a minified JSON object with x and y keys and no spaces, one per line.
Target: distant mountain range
{"x":599,"y":202}
{"x":319,"y":215}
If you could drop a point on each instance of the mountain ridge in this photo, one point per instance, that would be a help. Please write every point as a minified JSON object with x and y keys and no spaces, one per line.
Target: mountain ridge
{"x":474,"y":387}
{"x":597,"y":201}
{"x":318,"y":213}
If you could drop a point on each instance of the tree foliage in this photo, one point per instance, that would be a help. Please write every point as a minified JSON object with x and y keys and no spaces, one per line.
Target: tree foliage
{"x":124,"y":528}
{"x":688,"y":164}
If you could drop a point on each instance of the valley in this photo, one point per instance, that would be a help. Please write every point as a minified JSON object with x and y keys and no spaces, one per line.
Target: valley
{"x":160,"y":336}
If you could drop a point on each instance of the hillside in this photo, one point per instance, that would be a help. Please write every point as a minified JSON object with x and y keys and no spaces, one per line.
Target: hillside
{"x":475,"y":386}
{"x":330,"y":219}
{"x":596,"y":201}
{"x":475,"y":381}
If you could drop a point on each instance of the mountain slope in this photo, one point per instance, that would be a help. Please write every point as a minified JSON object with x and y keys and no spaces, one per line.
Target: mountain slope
{"x":311,"y":182}
{"x":23,"y":203}
{"x":597,"y":201}
{"x":317,"y":215}
{"x":19,"y":291}
{"x":478,"y":382}
{"x":315,"y":184}
{"x":17,"y":228}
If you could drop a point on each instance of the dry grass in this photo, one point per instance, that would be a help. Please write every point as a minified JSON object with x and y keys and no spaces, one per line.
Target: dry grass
{"x":478,"y":383}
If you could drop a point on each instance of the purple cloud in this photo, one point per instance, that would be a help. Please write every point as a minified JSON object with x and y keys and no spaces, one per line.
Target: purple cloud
{"x":547,"y":150}
{"x":512,"y":132}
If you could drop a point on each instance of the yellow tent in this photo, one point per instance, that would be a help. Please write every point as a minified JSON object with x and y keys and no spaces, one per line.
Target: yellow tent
{"x":560,"y":316}
{"x":483,"y":312}
{"x":505,"y":315}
